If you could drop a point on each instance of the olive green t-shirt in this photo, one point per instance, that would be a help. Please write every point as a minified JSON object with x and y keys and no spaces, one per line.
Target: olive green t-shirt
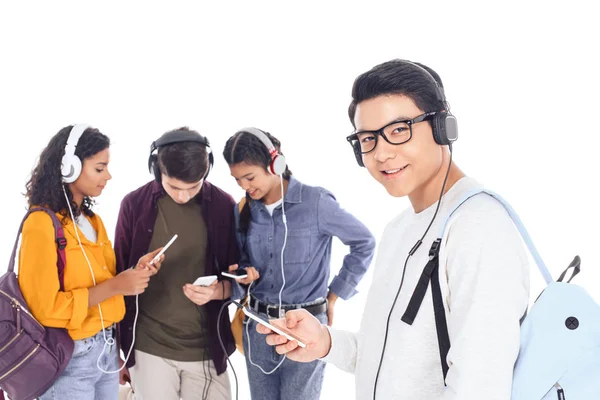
{"x":169,"y":324}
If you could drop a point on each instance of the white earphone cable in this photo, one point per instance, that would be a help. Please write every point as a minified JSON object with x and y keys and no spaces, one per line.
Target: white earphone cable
{"x":282,"y":286}
{"x":107,"y":341}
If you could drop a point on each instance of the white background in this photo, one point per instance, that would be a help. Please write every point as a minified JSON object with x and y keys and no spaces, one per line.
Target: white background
{"x":522,"y":80}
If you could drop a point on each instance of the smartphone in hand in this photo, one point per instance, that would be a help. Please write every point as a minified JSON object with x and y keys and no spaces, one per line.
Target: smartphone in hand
{"x":275,"y":326}
{"x":162,"y":251}
{"x":239,"y":273}
{"x":205,"y":280}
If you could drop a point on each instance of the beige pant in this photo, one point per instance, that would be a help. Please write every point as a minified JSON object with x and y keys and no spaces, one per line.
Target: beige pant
{"x":155,"y":378}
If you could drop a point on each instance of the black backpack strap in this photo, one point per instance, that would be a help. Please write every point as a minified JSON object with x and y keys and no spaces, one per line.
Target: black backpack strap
{"x":441,"y":325}
{"x":431,"y":273}
{"x":61,"y":243}
{"x":419,"y":294}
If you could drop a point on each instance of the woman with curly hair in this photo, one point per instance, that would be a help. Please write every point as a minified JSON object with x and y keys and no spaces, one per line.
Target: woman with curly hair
{"x":91,"y":301}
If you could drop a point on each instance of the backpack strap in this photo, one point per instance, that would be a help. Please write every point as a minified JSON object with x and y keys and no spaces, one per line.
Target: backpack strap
{"x":431,"y":273}
{"x":517,"y":221}
{"x":61,"y":243}
{"x":241,"y":204}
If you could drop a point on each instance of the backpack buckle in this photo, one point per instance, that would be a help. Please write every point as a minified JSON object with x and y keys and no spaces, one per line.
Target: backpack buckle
{"x":435,"y":248}
{"x":61,"y":243}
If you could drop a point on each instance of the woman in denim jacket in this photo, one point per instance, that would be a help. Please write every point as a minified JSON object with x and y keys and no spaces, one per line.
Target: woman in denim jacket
{"x":300,"y":227}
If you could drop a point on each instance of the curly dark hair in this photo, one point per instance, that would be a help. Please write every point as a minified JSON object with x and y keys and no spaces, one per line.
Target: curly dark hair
{"x":45,"y":185}
{"x":245,"y":147}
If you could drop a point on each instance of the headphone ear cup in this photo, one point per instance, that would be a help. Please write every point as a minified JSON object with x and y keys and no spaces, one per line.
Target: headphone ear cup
{"x":278,"y":165}
{"x":70,"y":168}
{"x":438,"y":127}
{"x":211,"y":161}
{"x":153,"y":167}
{"x":358,"y":154}
{"x":445,"y":128}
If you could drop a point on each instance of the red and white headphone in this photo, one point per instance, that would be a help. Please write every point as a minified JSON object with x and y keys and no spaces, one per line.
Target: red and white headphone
{"x":278,"y":165}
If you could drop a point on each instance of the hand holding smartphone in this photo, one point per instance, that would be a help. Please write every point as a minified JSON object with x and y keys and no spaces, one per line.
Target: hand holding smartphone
{"x":239,"y":273}
{"x":278,"y":328}
{"x":162,"y":251}
{"x":205,"y":280}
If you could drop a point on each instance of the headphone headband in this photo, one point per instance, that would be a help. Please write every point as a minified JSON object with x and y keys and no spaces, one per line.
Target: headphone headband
{"x":278,"y":165}
{"x":74,"y":136}
{"x":70,"y":168}
{"x":263,"y":138}
{"x":439,"y":89}
{"x":177,"y":136}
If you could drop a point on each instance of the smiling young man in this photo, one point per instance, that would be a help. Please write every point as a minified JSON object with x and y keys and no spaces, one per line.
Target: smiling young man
{"x":403,"y":137}
{"x":177,"y":350}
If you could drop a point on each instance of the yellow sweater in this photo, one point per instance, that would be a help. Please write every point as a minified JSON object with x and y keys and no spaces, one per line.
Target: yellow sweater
{"x":38,"y":277}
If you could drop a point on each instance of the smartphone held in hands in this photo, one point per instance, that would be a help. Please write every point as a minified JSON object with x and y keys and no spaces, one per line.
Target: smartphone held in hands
{"x":276,"y":326}
{"x":239,"y":273}
{"x":205,"y":280}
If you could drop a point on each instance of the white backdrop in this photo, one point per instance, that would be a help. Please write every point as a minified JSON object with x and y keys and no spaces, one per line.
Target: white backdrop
{"x":521,"y":79}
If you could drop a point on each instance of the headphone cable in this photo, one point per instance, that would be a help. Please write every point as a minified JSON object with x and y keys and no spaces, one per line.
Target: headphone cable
{"x":410,"y":253}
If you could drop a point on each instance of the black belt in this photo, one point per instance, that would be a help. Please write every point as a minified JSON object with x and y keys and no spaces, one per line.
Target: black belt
{"x":273,"y":310}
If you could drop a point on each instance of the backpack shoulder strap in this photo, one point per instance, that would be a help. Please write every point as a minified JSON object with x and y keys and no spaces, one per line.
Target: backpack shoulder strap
{"x":517,"y":221}
{"x":241,"y":204}
{"x":431,"y":273}
{"x":59,"y":236}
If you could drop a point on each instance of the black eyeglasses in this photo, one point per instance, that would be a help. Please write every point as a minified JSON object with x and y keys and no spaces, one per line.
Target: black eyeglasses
{"x":397,"y":132}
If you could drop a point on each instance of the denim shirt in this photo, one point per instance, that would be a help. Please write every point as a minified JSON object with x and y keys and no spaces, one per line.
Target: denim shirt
{"x":314,"y":217}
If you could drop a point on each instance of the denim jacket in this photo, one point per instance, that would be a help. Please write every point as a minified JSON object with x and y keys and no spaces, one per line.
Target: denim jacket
{"x":314,"y":217}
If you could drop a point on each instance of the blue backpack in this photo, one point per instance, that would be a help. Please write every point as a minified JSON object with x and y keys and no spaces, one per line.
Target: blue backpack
{"x":559,"y":356}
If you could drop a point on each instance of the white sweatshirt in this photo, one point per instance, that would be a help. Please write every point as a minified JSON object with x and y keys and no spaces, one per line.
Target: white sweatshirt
{"x":484,"y":278}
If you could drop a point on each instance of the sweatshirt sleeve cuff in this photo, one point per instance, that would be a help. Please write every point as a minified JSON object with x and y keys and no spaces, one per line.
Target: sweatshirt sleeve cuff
{"x":334,"y":351}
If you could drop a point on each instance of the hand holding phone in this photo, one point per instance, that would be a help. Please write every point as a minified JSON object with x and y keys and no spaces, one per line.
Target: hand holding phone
{"x":278,"y":328}
{"x":239,"y":273}
{"x":303,"y":325}
{"x":162,"y":251}
{"x":249,"y":274}
{"x":205,"y":280}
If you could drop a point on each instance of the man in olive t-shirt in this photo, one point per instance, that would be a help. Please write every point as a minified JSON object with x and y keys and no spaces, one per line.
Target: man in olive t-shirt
{"x":177,"y":353}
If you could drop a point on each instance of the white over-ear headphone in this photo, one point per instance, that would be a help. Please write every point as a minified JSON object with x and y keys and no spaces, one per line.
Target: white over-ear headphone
{"x":70,"y":168}
{"x":278,"y":165}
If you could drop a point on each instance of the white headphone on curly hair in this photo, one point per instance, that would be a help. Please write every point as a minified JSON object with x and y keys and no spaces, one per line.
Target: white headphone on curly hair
{"x":278,"y":165}
{"x":71,"y":165}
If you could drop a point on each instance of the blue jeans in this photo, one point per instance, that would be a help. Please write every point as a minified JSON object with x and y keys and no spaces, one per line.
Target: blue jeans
{"x":82,"y":380}
{"x":291,"y":381}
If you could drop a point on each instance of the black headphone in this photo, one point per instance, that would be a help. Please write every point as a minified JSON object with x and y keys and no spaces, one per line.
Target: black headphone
{"x":444,"y":125}
{"x":177,"y":136}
